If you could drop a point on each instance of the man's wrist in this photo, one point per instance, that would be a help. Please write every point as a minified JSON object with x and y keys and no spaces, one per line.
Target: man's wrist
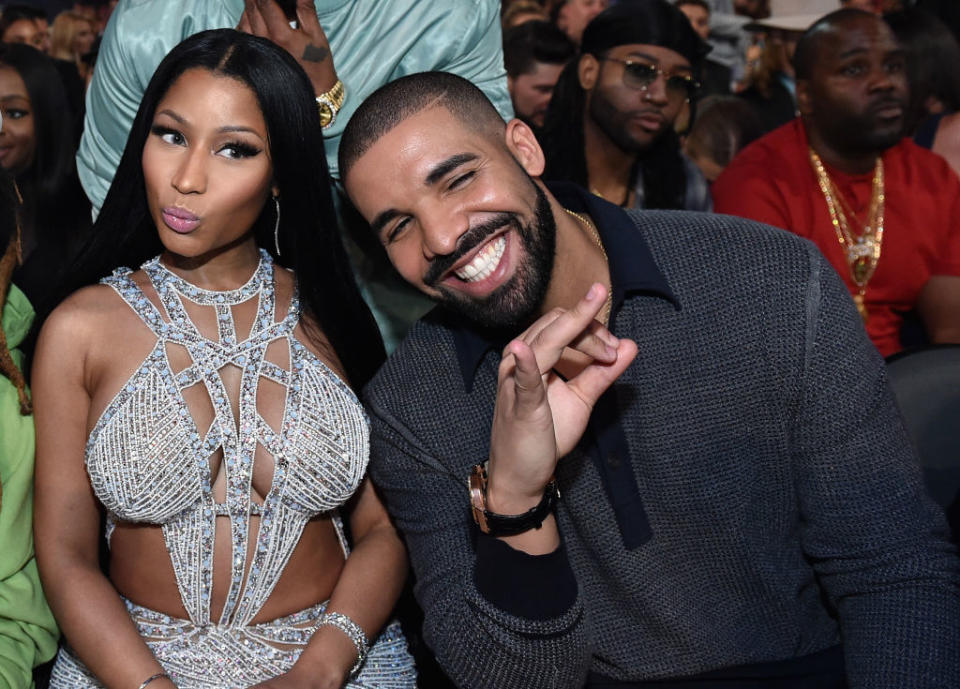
{"x":508,"y":523}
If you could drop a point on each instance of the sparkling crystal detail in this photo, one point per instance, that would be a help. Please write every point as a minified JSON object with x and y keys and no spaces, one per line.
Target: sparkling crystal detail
{"x":149,"y":462}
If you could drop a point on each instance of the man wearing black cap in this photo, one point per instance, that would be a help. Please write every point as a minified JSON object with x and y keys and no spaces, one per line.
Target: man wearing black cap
{"x":610,"y":126}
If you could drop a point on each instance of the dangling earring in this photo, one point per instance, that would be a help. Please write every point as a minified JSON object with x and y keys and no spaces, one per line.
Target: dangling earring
{"x":276,"y":226}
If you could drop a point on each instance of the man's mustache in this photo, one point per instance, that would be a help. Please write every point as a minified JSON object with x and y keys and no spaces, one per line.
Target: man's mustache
{"x":470,"y":240}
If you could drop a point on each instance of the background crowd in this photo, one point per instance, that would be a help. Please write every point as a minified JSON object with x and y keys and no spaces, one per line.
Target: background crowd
{"x":719,"y":113}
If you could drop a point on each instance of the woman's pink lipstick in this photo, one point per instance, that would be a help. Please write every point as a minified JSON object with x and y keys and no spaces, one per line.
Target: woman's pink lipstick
{"x":180,"y":220}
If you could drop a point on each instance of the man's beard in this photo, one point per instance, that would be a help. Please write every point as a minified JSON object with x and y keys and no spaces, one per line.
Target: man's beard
{"x":515,"y":303}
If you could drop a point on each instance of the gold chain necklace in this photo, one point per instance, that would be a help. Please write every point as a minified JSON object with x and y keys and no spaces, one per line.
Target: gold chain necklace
{"x":862,"y":251}
{"x":608,"y":303}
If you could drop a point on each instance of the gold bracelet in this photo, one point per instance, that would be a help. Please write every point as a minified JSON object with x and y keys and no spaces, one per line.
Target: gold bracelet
{"x":329,"y":104}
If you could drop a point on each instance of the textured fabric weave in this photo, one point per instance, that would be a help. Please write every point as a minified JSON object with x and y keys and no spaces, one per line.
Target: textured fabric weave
{"x":786,"y":506}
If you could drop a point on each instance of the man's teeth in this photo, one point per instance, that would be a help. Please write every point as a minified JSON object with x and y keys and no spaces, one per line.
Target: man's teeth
{"x":485,"y":262}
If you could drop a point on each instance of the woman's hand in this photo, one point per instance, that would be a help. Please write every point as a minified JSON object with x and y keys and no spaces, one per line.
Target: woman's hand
{"x":307,"y":42}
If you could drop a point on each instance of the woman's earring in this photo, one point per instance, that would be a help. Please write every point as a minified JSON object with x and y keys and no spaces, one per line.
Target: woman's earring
{"x":276,"y":226}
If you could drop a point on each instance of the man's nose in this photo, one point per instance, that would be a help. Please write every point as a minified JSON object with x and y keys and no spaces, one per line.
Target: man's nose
{"x":441,"y":231}
{"x":190,"y":177}
{"x":656,"y":91}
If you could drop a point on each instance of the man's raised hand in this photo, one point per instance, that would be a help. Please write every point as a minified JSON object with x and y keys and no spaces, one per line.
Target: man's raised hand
{"x":540,"y":416}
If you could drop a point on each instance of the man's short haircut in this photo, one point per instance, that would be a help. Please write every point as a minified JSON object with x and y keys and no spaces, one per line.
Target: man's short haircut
{"x":697,"y":3}
{"x":808,"y":47}
{"x":398,"y":100}
{"x":535,"y":41}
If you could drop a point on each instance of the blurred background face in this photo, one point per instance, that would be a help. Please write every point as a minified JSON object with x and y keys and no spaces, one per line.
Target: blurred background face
{"x":531,"y":92}
{"x":18,"y":142}
{"x":699,"y":19}
{"x":24,"y":31}
{"x":83,"y":38}
{"x":576,"y":14}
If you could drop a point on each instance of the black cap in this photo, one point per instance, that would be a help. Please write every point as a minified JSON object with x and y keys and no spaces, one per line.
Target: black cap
{"x":651,"y":22}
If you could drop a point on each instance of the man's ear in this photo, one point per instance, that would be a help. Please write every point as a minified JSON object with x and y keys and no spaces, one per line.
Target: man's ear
{"x":588,"y":71}
{"x":523,"y":144}
{"x":804,"y":99}
{"x":274,"y":191}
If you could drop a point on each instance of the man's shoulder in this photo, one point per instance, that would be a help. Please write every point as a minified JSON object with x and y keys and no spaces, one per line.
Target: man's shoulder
{"x":919,"y":167}
{"x":707,"y":248}
{"x":425,"y":361}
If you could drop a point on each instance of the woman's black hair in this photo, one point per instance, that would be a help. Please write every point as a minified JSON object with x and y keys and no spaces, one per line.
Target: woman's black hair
{"x":930,"y":48}
{"x":310,"y":243}
{"x":653,"y":22}
{"x":55,"y":207}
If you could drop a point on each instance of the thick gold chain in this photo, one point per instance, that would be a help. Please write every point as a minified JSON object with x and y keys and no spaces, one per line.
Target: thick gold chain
{"x":861,"y":251}
{"x":591,"y":228}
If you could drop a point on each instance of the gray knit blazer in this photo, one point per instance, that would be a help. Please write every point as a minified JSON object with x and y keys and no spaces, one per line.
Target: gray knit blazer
{"x":787,"y":509}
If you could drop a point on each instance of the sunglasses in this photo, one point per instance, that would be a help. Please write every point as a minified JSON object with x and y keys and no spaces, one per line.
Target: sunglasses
{"x":639,"y":75}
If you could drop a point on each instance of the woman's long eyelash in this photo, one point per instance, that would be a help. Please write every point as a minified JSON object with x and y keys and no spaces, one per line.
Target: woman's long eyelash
{"x":243,"y":150}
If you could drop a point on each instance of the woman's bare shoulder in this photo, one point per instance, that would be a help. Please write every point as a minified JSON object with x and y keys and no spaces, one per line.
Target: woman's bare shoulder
{"x":87,"y":316}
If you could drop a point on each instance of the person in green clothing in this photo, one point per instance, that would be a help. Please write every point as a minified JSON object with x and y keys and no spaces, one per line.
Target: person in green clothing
{"x":28,"y":632}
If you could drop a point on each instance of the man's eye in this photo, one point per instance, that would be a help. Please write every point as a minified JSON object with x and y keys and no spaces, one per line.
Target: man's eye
{"x":894,"y":67}
{"x":394,"y":232}
{"x":461,"y":180}
{"x":15,"y":114}
{"x":853,"y":70}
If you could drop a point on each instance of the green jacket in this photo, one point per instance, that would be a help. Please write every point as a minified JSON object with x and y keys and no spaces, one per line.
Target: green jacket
{"x":28,"y":632}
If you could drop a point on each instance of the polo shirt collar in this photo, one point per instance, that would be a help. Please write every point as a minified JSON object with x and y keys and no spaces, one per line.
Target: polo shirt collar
{"x":632,"y":272}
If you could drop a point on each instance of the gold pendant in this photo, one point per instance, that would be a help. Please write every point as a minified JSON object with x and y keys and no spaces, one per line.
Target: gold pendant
{"x":861,"y":270}
{"x":861,"y":307}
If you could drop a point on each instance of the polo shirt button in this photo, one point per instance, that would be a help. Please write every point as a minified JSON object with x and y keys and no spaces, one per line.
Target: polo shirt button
{"x":613,"y":460}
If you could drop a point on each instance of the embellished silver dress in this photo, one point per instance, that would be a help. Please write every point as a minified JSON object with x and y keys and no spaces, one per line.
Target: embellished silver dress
{"x":148,"y":462}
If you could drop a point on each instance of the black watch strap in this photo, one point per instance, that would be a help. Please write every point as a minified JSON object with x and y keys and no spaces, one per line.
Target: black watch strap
{"x":502,"y":524}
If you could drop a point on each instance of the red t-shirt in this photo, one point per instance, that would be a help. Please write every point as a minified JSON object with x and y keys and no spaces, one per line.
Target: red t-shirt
{"x":772,"y":181}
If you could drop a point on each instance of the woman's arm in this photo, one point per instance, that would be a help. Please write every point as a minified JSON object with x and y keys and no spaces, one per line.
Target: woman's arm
{"x":366,"y":592}
{"x":67,"y":520}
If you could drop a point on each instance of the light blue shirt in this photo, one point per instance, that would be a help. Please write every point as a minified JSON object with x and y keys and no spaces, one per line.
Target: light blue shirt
{"x":372,"y":42}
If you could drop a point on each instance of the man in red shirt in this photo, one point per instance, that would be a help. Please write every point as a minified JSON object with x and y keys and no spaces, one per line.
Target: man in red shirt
{"x":884,"y":212}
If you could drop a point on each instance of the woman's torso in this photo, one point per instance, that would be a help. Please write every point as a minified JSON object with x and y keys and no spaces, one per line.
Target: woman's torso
{"x":191,"y":405}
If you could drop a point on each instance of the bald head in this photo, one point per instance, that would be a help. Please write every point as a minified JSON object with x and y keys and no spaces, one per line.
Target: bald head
{"x":398,"y":100}
{"x":810,"y":47}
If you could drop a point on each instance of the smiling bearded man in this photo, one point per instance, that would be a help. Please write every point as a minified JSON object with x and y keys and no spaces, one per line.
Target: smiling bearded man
{"x":685,"y":512}
{"x":885,"y":212}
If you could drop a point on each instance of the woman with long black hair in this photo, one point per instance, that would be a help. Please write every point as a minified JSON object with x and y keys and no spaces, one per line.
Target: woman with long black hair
{"x":205,"y":403}
{"x":37,"y":147}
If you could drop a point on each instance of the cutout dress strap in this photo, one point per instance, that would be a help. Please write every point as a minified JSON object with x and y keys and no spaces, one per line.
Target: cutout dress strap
{"x":128,"y":290}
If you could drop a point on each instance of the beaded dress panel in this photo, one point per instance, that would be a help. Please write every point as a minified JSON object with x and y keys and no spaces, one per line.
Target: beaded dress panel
{"x":149,"y":462}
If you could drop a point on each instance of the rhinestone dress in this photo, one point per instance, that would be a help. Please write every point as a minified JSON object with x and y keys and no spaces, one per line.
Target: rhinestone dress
{"x":148,"y":462}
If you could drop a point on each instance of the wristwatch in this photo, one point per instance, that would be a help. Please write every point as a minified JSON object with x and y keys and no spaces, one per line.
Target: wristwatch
{"x":329,"y":104}
{"x":507,"y":525}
